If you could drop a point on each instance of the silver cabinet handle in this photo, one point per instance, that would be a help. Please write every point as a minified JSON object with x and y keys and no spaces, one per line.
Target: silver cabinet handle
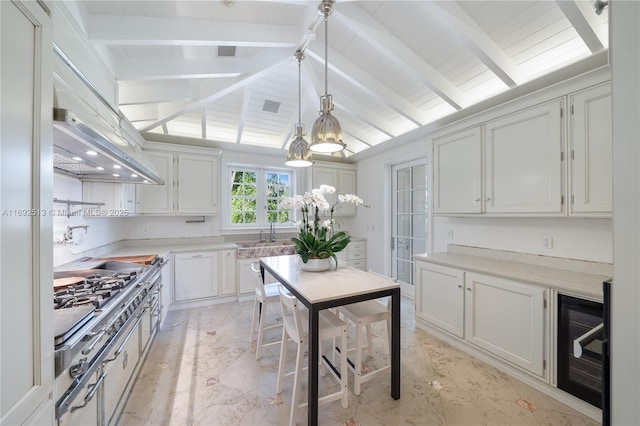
{"x":477,"y":199}
{"x":91,"y":393}
{"x":459,"y":285}
{"x":488,"y":199}
{"x":196,"y":255}
{"x":468,"y":288}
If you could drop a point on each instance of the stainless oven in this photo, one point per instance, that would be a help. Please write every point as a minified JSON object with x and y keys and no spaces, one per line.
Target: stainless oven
{"x":104,"y":325}
{"x":582,"y":356}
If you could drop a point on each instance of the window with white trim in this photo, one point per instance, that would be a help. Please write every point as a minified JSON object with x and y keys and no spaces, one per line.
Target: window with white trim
{"x":254,"y":195}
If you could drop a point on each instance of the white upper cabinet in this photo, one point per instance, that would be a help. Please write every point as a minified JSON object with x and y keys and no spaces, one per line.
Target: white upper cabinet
{"x":26,"y":180}
{"x":340,"y":176}
{"x":590,"y":140}
{"x":457,"y":167}
{"x":190,"y":183}
{"x":510,"y":166}
{"x":158,"y":199}
{"x":523,"y":160}
{"x":197,"y":184}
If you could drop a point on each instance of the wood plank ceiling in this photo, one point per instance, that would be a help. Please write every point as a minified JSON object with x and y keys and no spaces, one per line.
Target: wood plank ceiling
{"x":394,"y":66}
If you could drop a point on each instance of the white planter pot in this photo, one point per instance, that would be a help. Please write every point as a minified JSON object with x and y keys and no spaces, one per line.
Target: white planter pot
{"x":316,"y":265}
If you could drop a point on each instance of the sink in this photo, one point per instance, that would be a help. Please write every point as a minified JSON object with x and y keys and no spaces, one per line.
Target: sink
{"x":252,"y":249}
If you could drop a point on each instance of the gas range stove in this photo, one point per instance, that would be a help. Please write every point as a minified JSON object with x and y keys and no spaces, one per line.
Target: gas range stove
{"x":96,"y":304}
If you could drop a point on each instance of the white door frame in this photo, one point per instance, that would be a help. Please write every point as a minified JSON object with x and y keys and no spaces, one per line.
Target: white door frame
{"x":407,"y":289}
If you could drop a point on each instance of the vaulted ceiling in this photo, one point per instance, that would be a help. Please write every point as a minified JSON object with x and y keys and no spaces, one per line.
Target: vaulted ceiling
{"x":225,"y":72}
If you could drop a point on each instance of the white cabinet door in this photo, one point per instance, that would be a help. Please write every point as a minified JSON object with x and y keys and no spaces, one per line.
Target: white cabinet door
{"x":591,"y":150}
{"x":26,"y":179}
{"x":101,"y":192}
{"x":246,"y":280}
{"x":347,"y":185}
{"x":195,"y":275}
{"x":440,"y":296}
{"x":227,"y":274}
{"x":157,"y":199}
{"x":325,"y":176}
{"x":197,"y":184}
{"x":506,"y":318}
{"x":457,"y":167}
{"x":523,"y":160}
{"x":342,"y":178}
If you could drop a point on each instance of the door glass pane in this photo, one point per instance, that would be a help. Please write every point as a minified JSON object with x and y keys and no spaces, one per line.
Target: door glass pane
{"x":419,"y":202}
{"x":404,"y":179}
{"x":404,"y":225}
{"x":418,"y":227}
{"x":404,"y":202}
{"x":420,"y":177}
{"x":404,"y":271}
{"x":404,"y":248}
{"x":419,"y":246}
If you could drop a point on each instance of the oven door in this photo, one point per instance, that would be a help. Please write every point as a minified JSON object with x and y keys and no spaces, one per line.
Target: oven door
{"x":83,"y":409}
{"x":580,"y":338}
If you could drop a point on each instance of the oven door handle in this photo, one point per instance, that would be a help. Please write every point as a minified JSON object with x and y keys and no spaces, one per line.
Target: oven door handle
{"x":89,"y":396}
{"x":588,"y":337}
{"x":134,"y":328}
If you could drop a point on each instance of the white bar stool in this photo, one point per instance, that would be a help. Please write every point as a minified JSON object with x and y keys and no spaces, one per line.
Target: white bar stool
{"x":363,"y":315}
{"x":265,"y":294}
{"x":296,"y":324}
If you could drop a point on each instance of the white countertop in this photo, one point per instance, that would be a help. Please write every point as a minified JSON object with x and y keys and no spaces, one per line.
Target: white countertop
{"x":563,"y":280}
{"x":328,"y":285}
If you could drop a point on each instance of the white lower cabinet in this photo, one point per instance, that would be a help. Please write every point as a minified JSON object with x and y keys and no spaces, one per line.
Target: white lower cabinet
{"x":440,"y":297}
{"x":507,"y":319}
{"x":246,"y":280}
{"x":227,"y":272}
{"x":503,"y":317}
{"x":195,"y":275}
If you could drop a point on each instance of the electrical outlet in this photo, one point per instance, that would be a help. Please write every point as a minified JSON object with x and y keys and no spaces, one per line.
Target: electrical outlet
{"x":145,"y":229}
{"x":547,"y":242}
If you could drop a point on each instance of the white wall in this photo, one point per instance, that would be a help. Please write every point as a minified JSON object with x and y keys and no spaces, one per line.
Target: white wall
{"x":100,"y":231}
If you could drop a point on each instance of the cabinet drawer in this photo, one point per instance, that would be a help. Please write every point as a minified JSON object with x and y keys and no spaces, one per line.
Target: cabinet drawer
{"x":360,"y":263}
{"x":357,"y":246}
{"x":354,"y":255}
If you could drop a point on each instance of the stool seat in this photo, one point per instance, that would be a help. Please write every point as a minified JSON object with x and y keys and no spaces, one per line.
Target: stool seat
{"x":363,"y":315}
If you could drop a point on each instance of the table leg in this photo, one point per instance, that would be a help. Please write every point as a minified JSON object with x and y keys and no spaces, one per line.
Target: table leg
{"x":395,"y":344}
{"x":314,"y":358}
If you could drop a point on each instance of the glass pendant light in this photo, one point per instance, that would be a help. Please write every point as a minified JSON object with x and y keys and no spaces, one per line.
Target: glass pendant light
{"x":326,"y":134}
{"x":299,"y":154}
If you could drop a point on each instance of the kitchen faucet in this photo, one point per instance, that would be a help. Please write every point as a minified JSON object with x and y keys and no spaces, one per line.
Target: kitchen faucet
{"x":68,"y":235}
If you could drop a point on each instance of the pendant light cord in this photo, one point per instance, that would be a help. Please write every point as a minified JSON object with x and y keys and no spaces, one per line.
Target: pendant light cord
{"x":326,"y":53}
{"x":299,"y":88}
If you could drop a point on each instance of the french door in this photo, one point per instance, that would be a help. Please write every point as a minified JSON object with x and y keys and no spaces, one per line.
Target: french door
{"x":409,"y":220}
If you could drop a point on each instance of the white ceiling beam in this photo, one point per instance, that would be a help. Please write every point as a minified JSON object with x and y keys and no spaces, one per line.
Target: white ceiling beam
{"x":584,"y":20}
{"x":152,"y":31}
{"x":180,"y":68}
{"x":137,"y":113}
{"x":169,"y":114}
{"x":367,"y":28}
{"x":358,"y":77}
{"x":167,"y":91}
{"x":473,"y":37}
{"x":243,"y":112}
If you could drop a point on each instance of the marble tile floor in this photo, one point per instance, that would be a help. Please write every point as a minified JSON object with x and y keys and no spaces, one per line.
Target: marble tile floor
{"x":201,"y":370}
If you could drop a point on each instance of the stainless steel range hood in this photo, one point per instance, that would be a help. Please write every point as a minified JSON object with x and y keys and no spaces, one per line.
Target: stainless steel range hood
{"x":91,"y":140}
{"x":87,"y":154}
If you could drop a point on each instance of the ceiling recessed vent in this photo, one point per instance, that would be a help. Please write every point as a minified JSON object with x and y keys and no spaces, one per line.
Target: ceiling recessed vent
{"x":271,"y":106}
{"x":226,"y":50}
